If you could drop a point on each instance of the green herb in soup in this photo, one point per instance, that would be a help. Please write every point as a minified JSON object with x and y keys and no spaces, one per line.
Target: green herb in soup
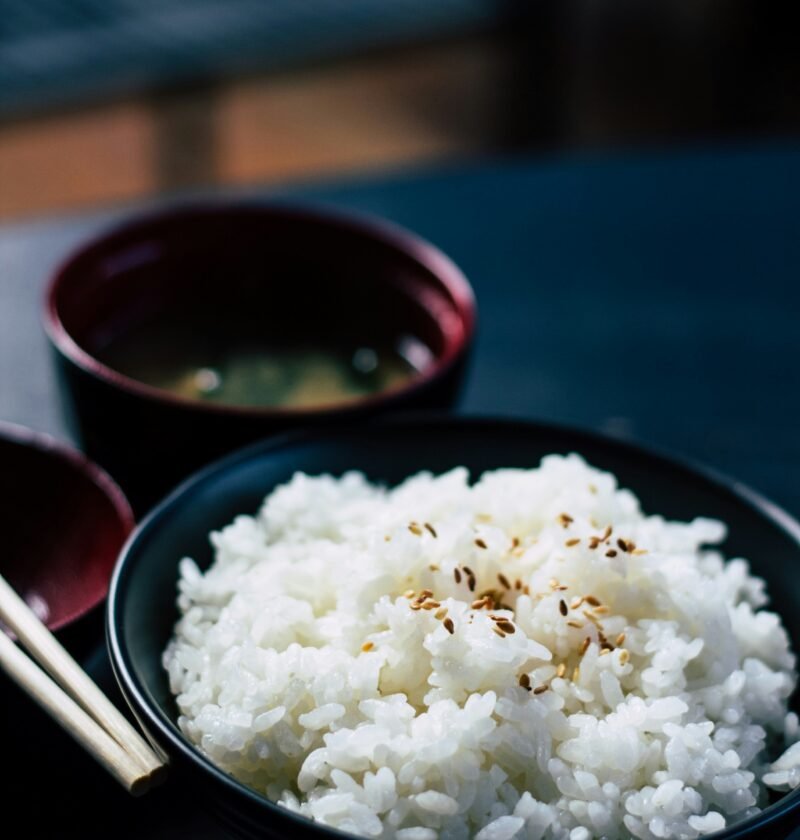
{"x":248,"y":373}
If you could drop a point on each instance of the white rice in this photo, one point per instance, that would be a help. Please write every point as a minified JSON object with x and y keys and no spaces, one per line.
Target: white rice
{"x":303,"y":666}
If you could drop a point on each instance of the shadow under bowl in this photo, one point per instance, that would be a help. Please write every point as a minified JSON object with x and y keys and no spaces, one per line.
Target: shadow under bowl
{"x":278,"y":274}
{"x":63,"y":521}
{"x":142,"y":613}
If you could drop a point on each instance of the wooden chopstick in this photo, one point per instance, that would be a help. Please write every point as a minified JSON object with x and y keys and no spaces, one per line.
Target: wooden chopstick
{"x":65,"y":670}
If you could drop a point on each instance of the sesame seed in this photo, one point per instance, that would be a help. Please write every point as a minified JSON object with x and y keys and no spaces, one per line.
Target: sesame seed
{"x":526,"y":589}
{"x":592,"y":617}
{"x":440,"y":613}
{"x":606,"y":533}
{"x":576,"y":674}
{"x":602,"y":610}
{"x":449,"y":626}
{"x":415,"y":606}
{"x":503,"y":580}
{"x":387,"y":538}
{"x":590,"y":599}
{"x":540,"y":689}
{"x":457,"y":574}
{"x":525,"y":681}
{"x":604,"y":651}
{"x":620,"y":640}
{"x":367,"y":647}
{"x":471,"y":582}
{"x":480,"y":543}
{"x":433,"y":567}
{"x":480,"y":603}
{"x":576,"y":602}
{"x":562,"y":669}
{"x":425,"y":593}
{"x":409,"y":593}
{"x":573,"y":541}
{"x":499,"y":632}
{"x":514,"y":542}
{"x":518,"y":584}
{"x":415,"y":529}
{"x":573,"y":623}
{"x":553,"y":583}
{"x":622,"y":544}
{"x":611,"y":552}
{"x":430,"y":604}
{"x":565,"y":519}
{"x":584,"y":645}
{"x":624,"y":656}
{"x":594,"y":542}
{"x":468,"y":571}
{"x":562,"y":607}
{"x":431,"y":529}
{"x":506,"y":626}
{"x":592,"y":489}
{"x":483,"y":517}
{"x":639,"y":551}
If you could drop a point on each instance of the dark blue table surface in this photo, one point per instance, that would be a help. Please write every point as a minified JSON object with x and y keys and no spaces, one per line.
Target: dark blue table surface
{"x":655,"y":298}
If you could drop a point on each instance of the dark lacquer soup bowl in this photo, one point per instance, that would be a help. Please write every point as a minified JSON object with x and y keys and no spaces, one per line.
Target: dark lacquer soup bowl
{"x":142,"y":611}
{"x":186,"y":333}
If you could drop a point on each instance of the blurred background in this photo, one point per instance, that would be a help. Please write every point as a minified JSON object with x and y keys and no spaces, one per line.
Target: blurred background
{"x":103,"y":101}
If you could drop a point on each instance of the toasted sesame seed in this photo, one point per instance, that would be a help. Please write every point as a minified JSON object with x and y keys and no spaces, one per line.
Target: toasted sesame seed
{"x":425,"y":593}
{"x":573,"y":623}
{"x":562,"y":587}
{"x":440,"y":613}
{"x":562,"y":669}
{"x":415,"y":606}
{"x":606,"y":533}
{"x":562,"y":607}
{"x":602,"y":610}
{"x":540,"y":689}
{"x":584,"y":645}
{"x":594,"y":542}
{"x":573,"y":541}
{"x":576,"y":602}
{"x":409,"y":593}
{"x":591,"y":599}
{"x":592,"y":617}
{"x":478,"y":604}
{"x":592,"y":489}
{"x":449,"y":626}
{"x":639,"y":551}
{"x":624,"y":656}
{"x":525,"y":681}
{"x":387,"y":538}
{"x":367,"y":646}
{"x":433,"y":567}
{"x":576,"y":674}
{"x":430,"y":604}
{"x":506,"y":626}
{"x":457,"y":574}
{"x":612,"y":552}
{"x":480,"y":543}
{"x":553,"y":583}
{"x":415,"y":529}
{"x":622,"y":544}
{"x":431,"y":529}
{"x":499,"y":632}
{"x":565,"y":519}
{"x":471,"y":582}
{"x":483,"y":517}
{"x":468,"y":571}
{"x":514,"y":542}
{"x":526,"y":589}
{"x":620,"y":640}
{"x":604,"y":651}
{"x":504,"y":582}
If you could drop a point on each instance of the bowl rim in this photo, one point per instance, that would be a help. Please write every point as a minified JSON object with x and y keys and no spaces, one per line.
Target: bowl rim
{"x":152,"y":714}
{"x":26,"y":438}
{"x":394,"y":236}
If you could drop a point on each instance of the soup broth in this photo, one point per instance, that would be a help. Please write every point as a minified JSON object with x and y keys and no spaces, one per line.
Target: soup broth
{"x":236,"y":369}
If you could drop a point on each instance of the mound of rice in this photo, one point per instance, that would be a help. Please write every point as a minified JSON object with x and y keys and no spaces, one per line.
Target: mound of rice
{"x":528,"y":657}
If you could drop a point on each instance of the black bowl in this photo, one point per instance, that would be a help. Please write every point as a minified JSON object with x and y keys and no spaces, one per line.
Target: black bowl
{"x":142,"y":596}
{"x":276,"y":272}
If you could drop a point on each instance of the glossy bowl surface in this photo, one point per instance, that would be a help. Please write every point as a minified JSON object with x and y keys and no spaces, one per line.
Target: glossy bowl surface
{"x":141,"y":610}
{"x":278,"y":270}
{"x":64,"y":522}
